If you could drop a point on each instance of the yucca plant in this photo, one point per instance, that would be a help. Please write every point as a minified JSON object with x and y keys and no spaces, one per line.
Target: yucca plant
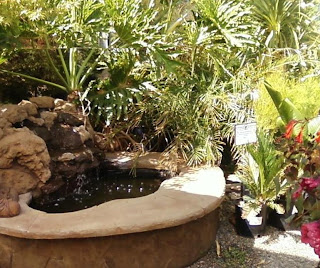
{"x":261,"y":172}
{"x":285,"y":23}
{"x":280,"y":20}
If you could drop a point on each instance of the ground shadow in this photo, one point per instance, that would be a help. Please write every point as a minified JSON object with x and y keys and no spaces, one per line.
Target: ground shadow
{"x":275,"y":249}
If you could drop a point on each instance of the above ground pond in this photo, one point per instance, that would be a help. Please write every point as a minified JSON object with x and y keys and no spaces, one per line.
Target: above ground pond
{"x":98,"y":186}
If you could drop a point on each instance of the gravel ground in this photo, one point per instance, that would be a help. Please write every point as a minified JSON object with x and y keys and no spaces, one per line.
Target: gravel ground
{"x":275,"y":249}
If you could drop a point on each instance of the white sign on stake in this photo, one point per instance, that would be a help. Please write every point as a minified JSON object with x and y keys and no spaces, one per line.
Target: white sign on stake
{"x":245,"y":133}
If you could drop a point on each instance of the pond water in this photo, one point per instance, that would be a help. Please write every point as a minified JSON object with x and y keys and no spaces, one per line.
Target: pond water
{"x":99,"y":186}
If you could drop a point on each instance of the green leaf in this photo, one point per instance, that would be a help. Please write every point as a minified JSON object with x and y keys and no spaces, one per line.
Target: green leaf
{"x":2,"y":60}
{"x":299,"y":204}
{"x":286,"y":109}
{"x":277,"y":207}
{"x":314,"y":126}
{"x":170,"y":64}
{"x":35,"y":79}
{"x":275,"y":95}
{"x":315,"y":214}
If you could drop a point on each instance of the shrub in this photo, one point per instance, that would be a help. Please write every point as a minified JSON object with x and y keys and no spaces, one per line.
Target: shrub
{"x":301,"y":153}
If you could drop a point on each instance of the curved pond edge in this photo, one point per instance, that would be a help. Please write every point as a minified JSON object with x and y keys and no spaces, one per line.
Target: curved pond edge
{"x":170,"y":228}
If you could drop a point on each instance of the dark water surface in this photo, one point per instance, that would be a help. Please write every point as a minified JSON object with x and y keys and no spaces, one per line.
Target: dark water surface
{"x":99,"y":186}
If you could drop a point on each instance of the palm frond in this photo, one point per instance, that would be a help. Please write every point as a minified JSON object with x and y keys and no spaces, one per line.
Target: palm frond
{"x":262,"y":169}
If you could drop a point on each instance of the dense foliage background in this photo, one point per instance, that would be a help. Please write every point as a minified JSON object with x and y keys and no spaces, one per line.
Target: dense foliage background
{"x":173,"y":75}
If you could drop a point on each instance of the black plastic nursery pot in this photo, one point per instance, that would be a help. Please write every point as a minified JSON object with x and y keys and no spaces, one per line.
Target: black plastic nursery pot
{"x":278,"y":221}
{"x":281,"y":221}
{"x":253,"y":227}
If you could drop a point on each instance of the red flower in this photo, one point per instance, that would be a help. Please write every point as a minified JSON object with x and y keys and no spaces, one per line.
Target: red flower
{"x":318,"y":137}
{"x":289,"y":129}
{"x":310,"y":234}
{"x":299,"y":138}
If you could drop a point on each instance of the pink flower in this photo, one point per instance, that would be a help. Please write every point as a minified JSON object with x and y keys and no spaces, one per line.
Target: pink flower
{"x":310,"y":234}
{"x":297,"y":193}
{"x":308,"y":184}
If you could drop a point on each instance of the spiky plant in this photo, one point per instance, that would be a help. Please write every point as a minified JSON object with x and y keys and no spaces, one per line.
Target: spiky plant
{"x":284,"y":23}
{"x":193,"y":116}
{"x":261,"y":171}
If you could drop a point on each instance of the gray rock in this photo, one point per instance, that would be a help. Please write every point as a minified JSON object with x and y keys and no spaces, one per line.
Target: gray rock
{"x":65,"y":137}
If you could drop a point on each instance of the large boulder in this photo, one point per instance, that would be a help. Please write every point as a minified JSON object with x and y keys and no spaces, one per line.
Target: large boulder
{"x":24,"y":160}
{"x":29,"y":107}
{"x":19,"y":179}
{"x":69,"y":119}
{"x":11,"y":113}
{"x":64,"y":106}
{"x":40,"y":138}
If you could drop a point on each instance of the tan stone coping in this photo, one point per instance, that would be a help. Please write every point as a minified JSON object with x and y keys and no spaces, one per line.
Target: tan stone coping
{"x":186,"y":197}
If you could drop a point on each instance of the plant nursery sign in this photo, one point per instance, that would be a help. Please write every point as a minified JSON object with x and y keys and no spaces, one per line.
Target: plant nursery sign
{"x":245,"y":133}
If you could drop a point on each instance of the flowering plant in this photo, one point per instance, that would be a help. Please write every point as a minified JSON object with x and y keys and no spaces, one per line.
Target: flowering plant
{"x":301,"y":148}
{"x":310,"y":234}
{"x":302,"y":154}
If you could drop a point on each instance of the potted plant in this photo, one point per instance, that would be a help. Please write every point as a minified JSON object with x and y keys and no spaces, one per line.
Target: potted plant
{"x":260,"y":171}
